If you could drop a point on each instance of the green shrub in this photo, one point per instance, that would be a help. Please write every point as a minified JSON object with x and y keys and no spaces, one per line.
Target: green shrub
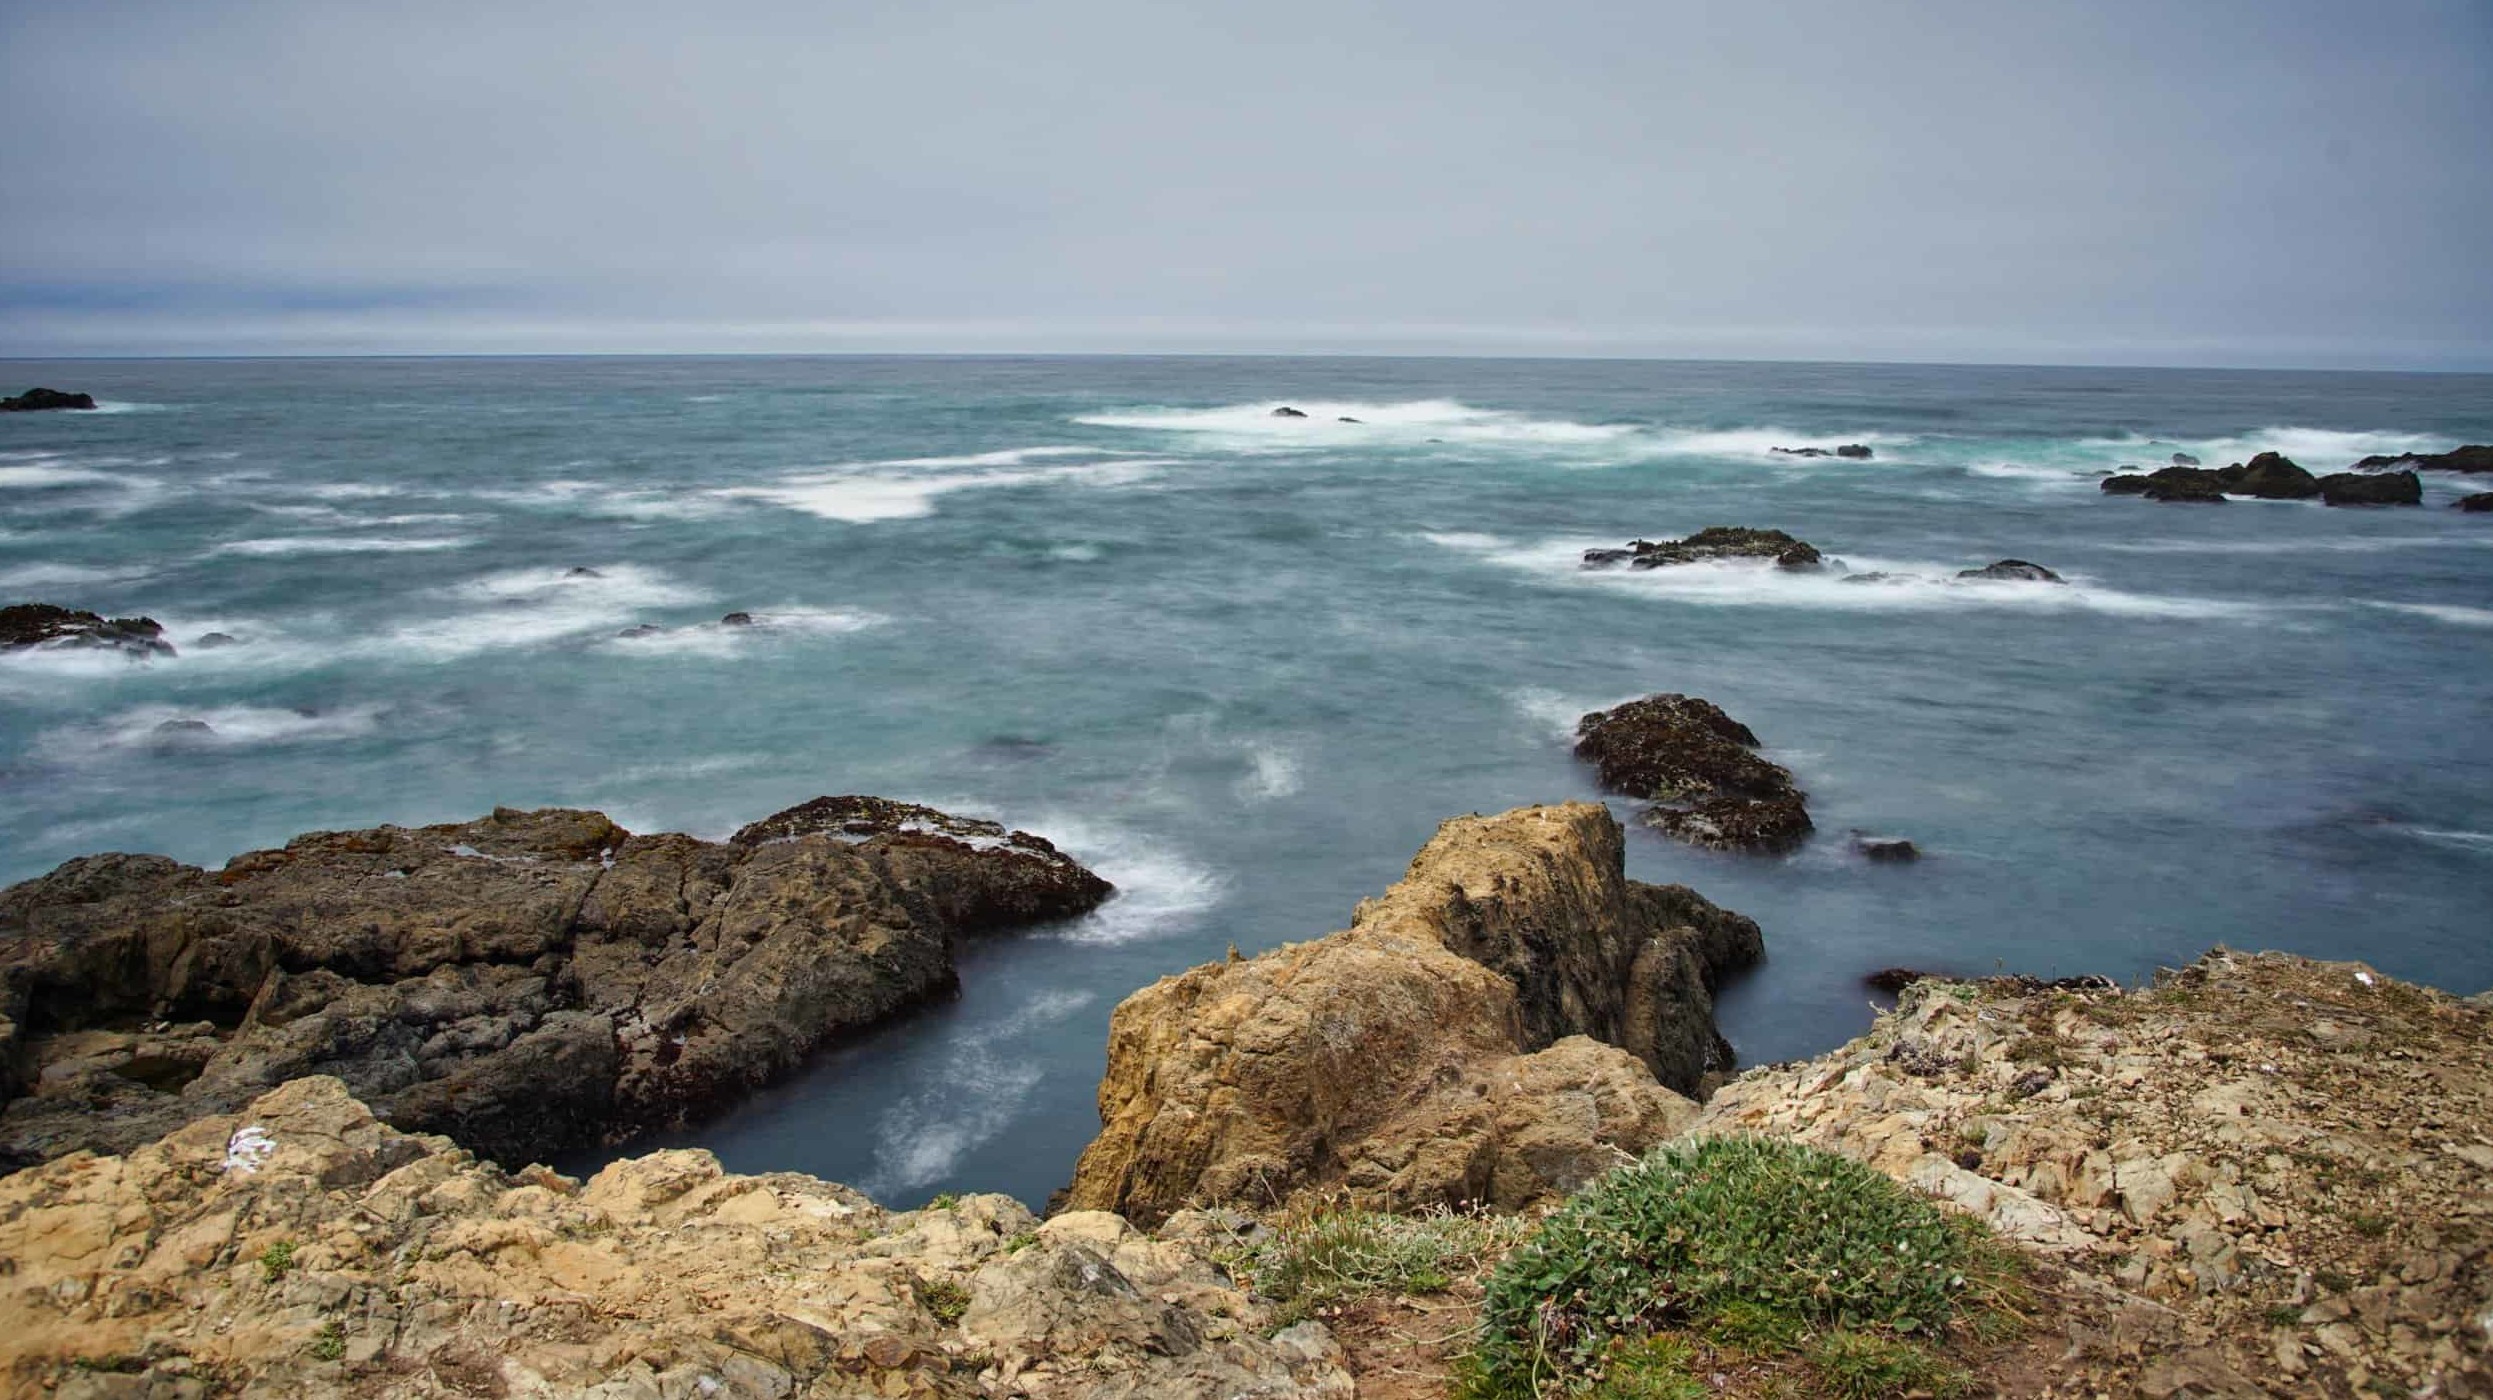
{"x":1764,"y":1242}
{"x":943,"y":1298}
{"x":1865,"y":1366}
{"x":1314,"y":1258}
{"x":277,"y":1260}
{"x":330,"y":1344}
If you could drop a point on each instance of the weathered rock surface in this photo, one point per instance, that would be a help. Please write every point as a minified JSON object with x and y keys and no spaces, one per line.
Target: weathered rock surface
{"x":2012,"y":571}
{"x":1701,"y":770}
{"x":2276,"y":1167}
{"x":2478,"y":503}
{"x":524,"y":983}
{"x":1489,"y":1030}
{"x":1711,"y":543}
{"x":302,"y":1248}
{"x":24,"y":625}
{"x":2399,"y":488}
{"x":2464,"y":459}
{"x":45,"y":401}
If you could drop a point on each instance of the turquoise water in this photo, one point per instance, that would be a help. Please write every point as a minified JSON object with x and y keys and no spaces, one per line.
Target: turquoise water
{"x":1243,"y":665}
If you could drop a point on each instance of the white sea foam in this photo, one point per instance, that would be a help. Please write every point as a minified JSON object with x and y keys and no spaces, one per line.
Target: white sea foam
{"x":2318,"y":450}
{"x":229,"y":726}
{"x":66,"y":575}
{"x":977,"y":1093}
{"x":1413,"y":421}
{"x":1159,"y":890}
{"x":2481,"y":841}
{"x":716,"y":639}
{"x":2374,"y":545}
{"x":1272,"y":772}
{"x":1909,"y":585}
{"x":2456,"y":614}
{"x":42,"y":473}
{"x":529,"y":607}
{"x":348,"y":490}
{"x":343,"y":544}
{"x":908,"y":487}
{"x":1554,"y":715}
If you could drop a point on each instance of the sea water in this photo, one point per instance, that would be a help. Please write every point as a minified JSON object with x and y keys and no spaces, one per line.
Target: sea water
{"x":1243,"y":665}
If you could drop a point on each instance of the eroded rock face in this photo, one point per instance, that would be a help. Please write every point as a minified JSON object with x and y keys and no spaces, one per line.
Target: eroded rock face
{"x":25,"y":625}
{"x":1489,"y":1030}
{"x":523,"y":983}
{"x":303,"y":1248}
{"x":1710,"y":543}
{"x":2281,"y":1162}
{"x":1701,"y":770}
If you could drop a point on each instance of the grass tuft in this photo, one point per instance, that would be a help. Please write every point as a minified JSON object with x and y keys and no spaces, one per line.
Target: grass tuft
{"x":1316,"y":1257}
{"x":277,"y":1260}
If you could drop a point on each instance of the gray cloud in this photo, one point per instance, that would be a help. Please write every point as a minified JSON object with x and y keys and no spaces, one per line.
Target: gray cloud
{"x":2231,"y":181}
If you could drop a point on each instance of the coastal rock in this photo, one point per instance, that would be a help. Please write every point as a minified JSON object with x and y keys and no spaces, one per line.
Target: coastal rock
{"x":1710,"y":543}
{"x":2180,"y":484}
{"x":1852,"y":450}
{"x":1285,"y":411}
{"x":25,"y":625}
{"x":2184,"y":459}
{"x":1885,"y":850}
{"x":2273,"y":1167}
{"x":301,"y":1247}
{"x":524,"y":983}
{"x":2269,"y":476}
{"x":210,"y":641}
{"x":1490,"y":1030}
{"x":2473,"y":458}
{"x":45,"y":401}
{"x":2014,"y":570}
{"x":736,"y":619}
{"x":1700,"y":768}
{"x":2480,"y":502}
{"x":2399,"y":488}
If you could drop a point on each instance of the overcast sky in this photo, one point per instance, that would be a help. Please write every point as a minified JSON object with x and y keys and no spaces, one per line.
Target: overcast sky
{"x":2252,"y":182}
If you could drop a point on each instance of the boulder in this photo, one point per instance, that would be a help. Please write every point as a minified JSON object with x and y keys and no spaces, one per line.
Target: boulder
{"x":301,"y":1247}
{"x":2017,"y":570}
{"x":1701,"y":771}
{"x":1885,"y":850}
{"x":736,"y":619}
{"x":210,"y":641}
{"x":2400,"y":488}
{"x":2184,"y":459}
{"x":45,"y":401}
{"x":525,"y":983}
{"x":2270,"y":476}
{"x":2464,"y":459}
{"x":26,"y":625}
{"x":2480,"y":502}
{"x":1285,"y":411}
{"x":1511,"y":1019}
{"x":1711,"y":543}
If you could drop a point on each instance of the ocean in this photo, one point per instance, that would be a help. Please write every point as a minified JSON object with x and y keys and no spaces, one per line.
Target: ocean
{"x":1243,"y":665}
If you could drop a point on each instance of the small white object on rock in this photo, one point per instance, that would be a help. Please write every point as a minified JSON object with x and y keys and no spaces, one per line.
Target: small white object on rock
{"x":248,"y":1149}
{"x":2364,"y":977}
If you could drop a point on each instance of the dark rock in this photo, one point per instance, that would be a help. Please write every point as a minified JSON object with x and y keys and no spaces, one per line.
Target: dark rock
{"x":1893,"y":980}
{"x":736,"y":619}
{"x":2478,"y":503}
{"x":2184,"y":459}
{"x":1713,"y":542}
{"x":1856,"y":451}
{"x":2401,"y":488}
{"x":2012,"y":569}
{"x":44,"y":401}
{"x":642,"y":629}
{"x":1345,"y":420}
{"x":2125,"y":484}
{"x":1700,"y":769}
{"x":25,"y":625}
{"x":1285,"y":411}
{"x":2464,"y":459}
{"x":525,"y":983}
{"x":185,"y":726}
{"x":582,"y":571}
{"x":2270,"y":476}
{"x":1887,"y":850}
{"x":1853,"y":450}
{"x":210,"y":641}
{"x":1874,"y":576}
{"x":2168,"y":484}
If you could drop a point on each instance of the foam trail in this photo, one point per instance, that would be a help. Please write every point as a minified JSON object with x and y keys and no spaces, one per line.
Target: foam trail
{"x":65,"y":575}
{"x":342,"y":544}
{"x":1273,"y":773}
{"x":528,"y":607}
{"x":1159,"y":891}
{"x":2457,"y":615}
{"x":717,"y":639}
{"x":229,"y":726}
{"x":1416,"y":420}
{"x":978,"y":1093}
{"x":907,"y":488}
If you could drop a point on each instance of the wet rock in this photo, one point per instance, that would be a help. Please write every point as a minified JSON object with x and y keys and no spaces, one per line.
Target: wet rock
{"x":582,"y":571}
{"x":2013,"y":570}
{"x":210,"y":641}
{"x":1713,"y":542}
{"x":1700,"y":769}
{"x":2478,"y":503}
{"x":525,"y":983}
{"x":2125,"y":484}
{"x":1886,"y":850}
{"x":2464,"y":459}
{"x":1285,"y":411}
{"x":2269,"y":476}
{"x":2184,"y":459}
{"x":45,"y":401}
{"x":1853,"y":451}
{"x":1345,"y":420}
{"x":1490,"y":1030}
{"x":25,"y":625}
{"x":643,"y":629}
{"x":736,"y":619}
{"x":2399,"y":488}
{"x":177,"y":727}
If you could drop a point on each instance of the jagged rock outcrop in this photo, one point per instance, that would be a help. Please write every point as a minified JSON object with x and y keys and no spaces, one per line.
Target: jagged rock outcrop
{"x":2398,"y":488}
{"x":303,"y":1248}
{"x":45,"y":401}
{"x":26,"y":625}
{"x":1701,"y":771}
{"x":2473,"y":458}
{"x":2269,"y":476}
{"x":1489,"y":1030}
{"x":2274,"y":1169}
{"x":1711,"y":543}
{"x":523,"y":983}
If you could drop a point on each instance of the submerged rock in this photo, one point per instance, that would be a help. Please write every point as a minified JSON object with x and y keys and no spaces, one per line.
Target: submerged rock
{"x":2400,"y":488}
{"x":736,"y":619}
{"x":525,"y":983}
{"x":1490,"y":1030}
{"x":46,"y":401}
{"x":1886,"y":850}
{"x":2480,"y":502}
{"x":24,"y":625}
{"x":339,"y":1257}
{"x":2184,"y":459}
{"x":1710,"y":543}
{"x":1285,"y":411}
{"x":2012,"y":570}
{"x":210,"y":641}
{"x":2473,"y":458}
{"x":1700,"y":769}
{"x":1852,"y":450}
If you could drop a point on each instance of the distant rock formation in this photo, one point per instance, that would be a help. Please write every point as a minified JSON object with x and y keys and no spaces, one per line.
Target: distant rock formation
{"x":1712,"y":542}
{"x":524,"y":983}
{"x":1853,"y":450}
{"x":1490,"y":1030}
{"x":2269,"y":476}
{"x":45,"y":401}
{"x":26,"y":625}
{"x":1285,"y":411}
{"x":2184,"y":459}
{"x":2012,"y":570}
{"x":2478,"y":503}
{"x":2177,"y":484}
{"x":2464,"y":459}
{"x":2399,"y":488}
{"x":2273,"y":476}
{"x":1886,"y":850}
{"x":1701,"y":771}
